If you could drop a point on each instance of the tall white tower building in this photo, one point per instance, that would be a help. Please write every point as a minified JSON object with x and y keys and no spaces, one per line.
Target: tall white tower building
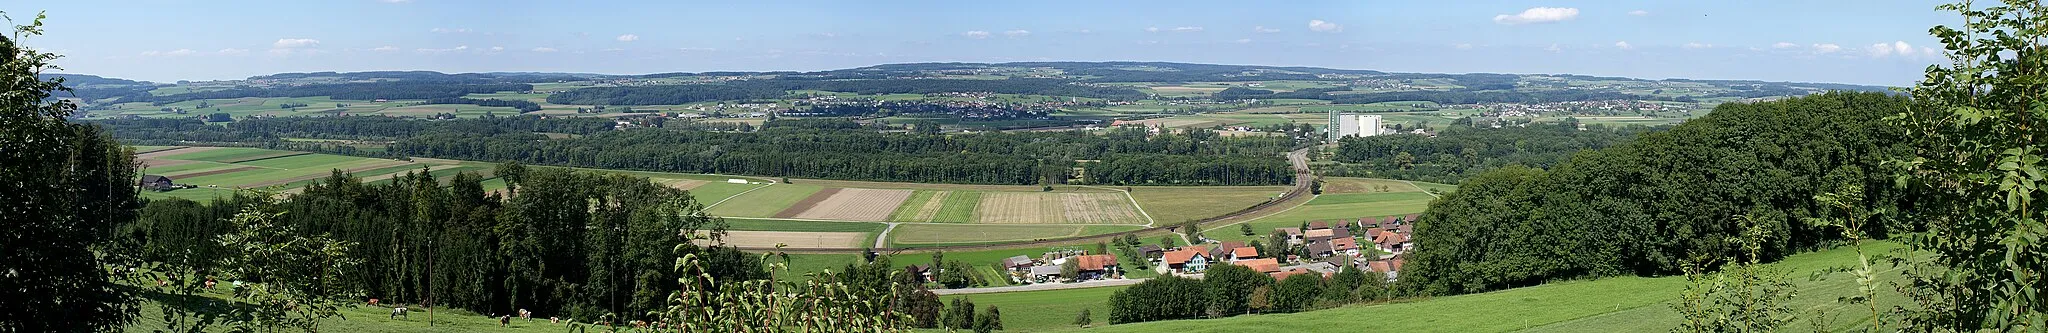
{"x":1351,"y":124}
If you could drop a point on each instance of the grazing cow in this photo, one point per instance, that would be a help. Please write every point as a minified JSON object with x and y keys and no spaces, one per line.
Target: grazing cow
{"x":209,"y":284}
{"x":505,"y":320}
{"x":527,"y":315}
{"x":373,"y":302}
{"x":398,"y":312}
{"x":554,"y":320}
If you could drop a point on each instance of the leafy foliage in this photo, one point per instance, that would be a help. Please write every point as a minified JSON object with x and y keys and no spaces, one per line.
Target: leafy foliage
{"x":1980,"y":160}
{"x":63,"y":189}
{"x":1458,"y":152}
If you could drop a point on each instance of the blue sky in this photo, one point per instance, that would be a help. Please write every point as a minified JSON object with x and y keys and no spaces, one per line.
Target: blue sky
{"x":1866,"y":42}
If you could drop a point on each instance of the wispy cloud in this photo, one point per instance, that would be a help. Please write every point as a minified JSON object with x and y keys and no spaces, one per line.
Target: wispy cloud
{"x":448,"y":30}
{"x":1826,"y":48}
{"x":1264,"y":30}
{"x":1538,"y":15}
{"x":544,"y":49}
{"x":1639,"y":12}
{"x":628,"y":37}
{"x":1901,"y":49}
{"x":446,"y":50}
{"x":171,"y":53}
{"x":1697,"y":45}
{"x":1624,"y":45}
{"x":1242,"y":40}
{"x":1784,"y":45}
{"x":232,"y":51}
{"x":295,"y":43}
{"x":386,"y":48}
{"x":1554,"y":48}
{"x":977,"y":34}
{"x":1462,"y":46}
{"x":1175,"y":29}
{"x":1323,"y":26}
{"x":1017,"y":33}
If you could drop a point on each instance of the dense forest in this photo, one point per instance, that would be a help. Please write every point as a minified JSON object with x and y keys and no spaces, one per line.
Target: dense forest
{"x":1649,"y":205}
{"x":563,"y":243}
{"x":1456,"y":152}
{"x":363,"y":91}
{"x":523,"y":106}
{"x":259,"y":131}
{"x":1127,"y":156}
{"x":775,"y":88}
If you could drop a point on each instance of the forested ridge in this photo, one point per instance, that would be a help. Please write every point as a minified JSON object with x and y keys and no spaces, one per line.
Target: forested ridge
{"x":776,"y":88}
{"x":1458,"y":151}
{"x":1649,"y":205}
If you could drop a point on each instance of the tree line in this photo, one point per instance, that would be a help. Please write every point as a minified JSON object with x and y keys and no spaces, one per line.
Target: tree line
{"x":563,"y":243}
{"x":1650,"y":205}
{"x":523,"y":106}
{"x":1457,"y":152}
{"x":1227,"y":290}
{"x":777,"y":88}
{"x":346,"y":91}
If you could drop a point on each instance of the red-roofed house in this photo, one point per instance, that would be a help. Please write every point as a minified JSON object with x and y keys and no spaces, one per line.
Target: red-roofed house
{"x":1095,"y":266}
{"x":1391,"y":242}
{"x":1318,"y":225}
{"x":1186,"y":260}
{"x":1267,"y":265}
{"x":1346,"y":246}
{"x":1293,"y":272}
{"x":1243,"y":253}
{"x":1293,"y":234}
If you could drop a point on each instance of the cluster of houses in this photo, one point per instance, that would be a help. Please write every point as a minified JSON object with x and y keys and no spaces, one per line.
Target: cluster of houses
{"x":1330,"y":245}
{"x":1047,"y":267}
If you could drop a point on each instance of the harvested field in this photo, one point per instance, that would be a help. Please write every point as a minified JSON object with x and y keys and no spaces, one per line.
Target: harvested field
{"x":169,"y":152}
{"x":1098,"y":208}
{"x":809,"y":201}
{"x":957,"y":207}
{"x":1365,"y":185}
{"x":1019,"y":208}
{"x":852,"y":204}
{"x":682,"y":184}
{"x":935,"y":234}
{"x":175,"y":177}
{"x":802,"y":239}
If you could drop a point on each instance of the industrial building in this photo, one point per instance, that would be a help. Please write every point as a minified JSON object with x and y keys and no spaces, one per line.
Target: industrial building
{"x":1352,"y":124}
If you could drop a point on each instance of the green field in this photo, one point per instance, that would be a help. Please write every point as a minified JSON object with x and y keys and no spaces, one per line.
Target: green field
{"x":908,"y":211}
{"x":1172,"y":204}
{"x":764,"y":202}
{"x":1041,"y":310}
{"x":1356,"y":198}
{"x":947,"y":234}
{"x":959,"y":207}
{"x":221,"y":171}
{"x":1620,"y":304}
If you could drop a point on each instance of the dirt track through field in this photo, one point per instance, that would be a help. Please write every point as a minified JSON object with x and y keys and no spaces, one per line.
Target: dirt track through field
{"x":931,"y":207}
{"x":1098,"y":208}
{"x":169,"y":152}
{"x":1019,"y":208}
{"x":852,"y":204}
{"x":797,"y":239}
{"x":176,"y":177}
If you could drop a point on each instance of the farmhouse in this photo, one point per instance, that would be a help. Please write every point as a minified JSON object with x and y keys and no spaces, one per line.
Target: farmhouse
{"x":1391,"y":242}
{"x":1094,"y":266}
{"x":1018,"y":263}
{"x":156,"y":182}
{"x":1243,"y":253}
{"x":921,"y":273}
{"x":1151,"y":252}
{"x":1264,"y":266}
{"x":1346,"y":246}
{"x":1187,"y":260}
{"x":1044,"y":274}
{"x":1293,"y":234}
{"x":1222,"y":250}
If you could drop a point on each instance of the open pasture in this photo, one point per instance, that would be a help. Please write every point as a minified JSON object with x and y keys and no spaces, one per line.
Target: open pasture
{"x":1173,"y":204}
{"x":912,"y":235}
{"x":801,"y":239}
{"x":218,"y":171}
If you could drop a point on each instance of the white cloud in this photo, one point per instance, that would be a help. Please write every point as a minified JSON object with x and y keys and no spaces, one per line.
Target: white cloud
{"x":232,"y":51}
{"x":1151,"y":29}
{"x":295,"y":43}
{"x":1784,"y":45}
{"x":1826,"y":48}
{"x":1624,"y":45}
{"x":1697,"y":45}
{"x":1187,"y":29}
{"x":386,"y":48}
{"x":544,"y":49}
{"x":446,"y":50}
{"x":977,"y":34}
{"x":1639,"y":12}
{"x":152,"y":53}
{"x":497,"y":48}
{"x":447,"y":30}
{"x":1264,"y":30}
{"x":1242,"y":40}
{"x":1322,"y":26}
{"x":1462,"y":46}
{"x":1017,"y":33}
{"x":1086,"y":31}
{"x":628,"y":37}
{"x":1553,"y":48}
{"x":1538,"y":15}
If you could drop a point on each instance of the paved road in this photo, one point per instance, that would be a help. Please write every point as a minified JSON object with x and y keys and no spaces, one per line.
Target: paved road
{"x":1041,"y":286}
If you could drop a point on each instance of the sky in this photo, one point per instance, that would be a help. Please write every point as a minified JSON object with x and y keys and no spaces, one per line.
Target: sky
{"x":1859,"y":42}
